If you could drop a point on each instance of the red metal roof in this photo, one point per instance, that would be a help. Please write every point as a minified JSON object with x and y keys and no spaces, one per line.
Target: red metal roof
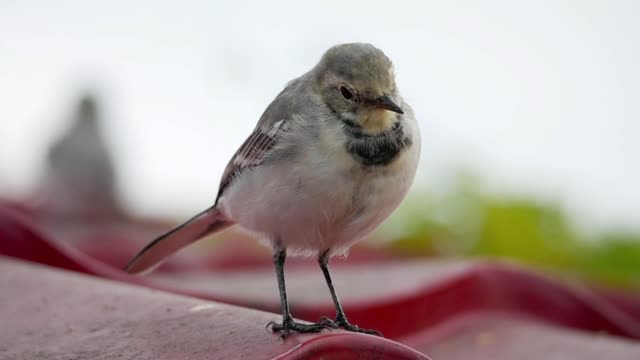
{"x":447,"y":310}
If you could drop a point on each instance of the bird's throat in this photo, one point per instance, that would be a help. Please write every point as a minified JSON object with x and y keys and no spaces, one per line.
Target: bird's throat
{"x":376,"y":121}
{"x":376,"y":150}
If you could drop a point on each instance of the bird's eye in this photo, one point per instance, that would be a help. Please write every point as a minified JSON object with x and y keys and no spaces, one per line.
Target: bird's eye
{"x":346,"y":93}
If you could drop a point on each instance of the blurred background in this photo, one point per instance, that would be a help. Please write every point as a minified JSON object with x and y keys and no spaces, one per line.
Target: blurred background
{"x":529,"y":116}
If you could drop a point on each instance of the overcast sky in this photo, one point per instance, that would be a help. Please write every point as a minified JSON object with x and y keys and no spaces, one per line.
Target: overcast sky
{"x":542,"y":98}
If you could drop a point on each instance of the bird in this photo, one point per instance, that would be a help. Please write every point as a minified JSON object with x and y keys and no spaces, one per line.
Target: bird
{"x":331,"y":157}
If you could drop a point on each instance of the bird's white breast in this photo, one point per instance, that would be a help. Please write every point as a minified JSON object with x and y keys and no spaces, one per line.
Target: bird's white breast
{"x":322,"y":198}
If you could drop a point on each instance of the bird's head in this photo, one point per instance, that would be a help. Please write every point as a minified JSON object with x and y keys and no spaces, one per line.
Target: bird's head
{"x":357,"y":83}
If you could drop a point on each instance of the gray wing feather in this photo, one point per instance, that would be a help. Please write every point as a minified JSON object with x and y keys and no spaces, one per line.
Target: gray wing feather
{"x":253,"y":151}
{"x":267,"y":135}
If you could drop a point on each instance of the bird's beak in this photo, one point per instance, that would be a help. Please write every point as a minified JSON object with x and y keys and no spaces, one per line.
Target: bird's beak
{"x":384,"y":102}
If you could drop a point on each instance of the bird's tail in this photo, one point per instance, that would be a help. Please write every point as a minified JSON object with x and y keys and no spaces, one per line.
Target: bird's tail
{"x":201,"y":225}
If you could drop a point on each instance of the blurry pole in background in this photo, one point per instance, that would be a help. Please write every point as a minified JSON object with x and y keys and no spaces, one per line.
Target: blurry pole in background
{"x":76,"y":200}
{"x":79,"y":180}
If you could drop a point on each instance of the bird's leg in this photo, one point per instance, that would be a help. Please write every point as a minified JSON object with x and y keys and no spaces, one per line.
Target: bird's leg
{"x":289,"y":325}
{"x":341,"y":318}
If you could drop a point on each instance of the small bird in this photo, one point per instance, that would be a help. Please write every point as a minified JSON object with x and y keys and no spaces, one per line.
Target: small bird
{"x":330,"y":158}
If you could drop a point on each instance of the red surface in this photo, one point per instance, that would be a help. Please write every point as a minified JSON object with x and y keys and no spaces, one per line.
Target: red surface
{"x":61,"y":315}
{"x":498,"y":335}
{"x":434,"y":307}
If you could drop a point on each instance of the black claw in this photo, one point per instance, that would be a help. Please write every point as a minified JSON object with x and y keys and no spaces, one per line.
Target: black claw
{"x":289,"y":325}
{"x":344,"y":323}
{"x":328,"y":323}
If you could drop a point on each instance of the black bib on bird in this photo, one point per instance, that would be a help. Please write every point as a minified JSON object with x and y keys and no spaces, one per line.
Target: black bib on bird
{"x":375,"y":150}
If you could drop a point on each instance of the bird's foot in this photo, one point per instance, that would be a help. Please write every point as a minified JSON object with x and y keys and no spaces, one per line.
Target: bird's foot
{"x":342,"y":322}
{"x":289,"y":325}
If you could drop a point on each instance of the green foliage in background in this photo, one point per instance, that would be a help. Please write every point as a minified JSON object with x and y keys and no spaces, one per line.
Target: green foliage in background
{"x":467,"y":221}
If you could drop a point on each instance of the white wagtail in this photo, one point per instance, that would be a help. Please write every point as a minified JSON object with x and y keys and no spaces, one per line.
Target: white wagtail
{"x":331,"y":157}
